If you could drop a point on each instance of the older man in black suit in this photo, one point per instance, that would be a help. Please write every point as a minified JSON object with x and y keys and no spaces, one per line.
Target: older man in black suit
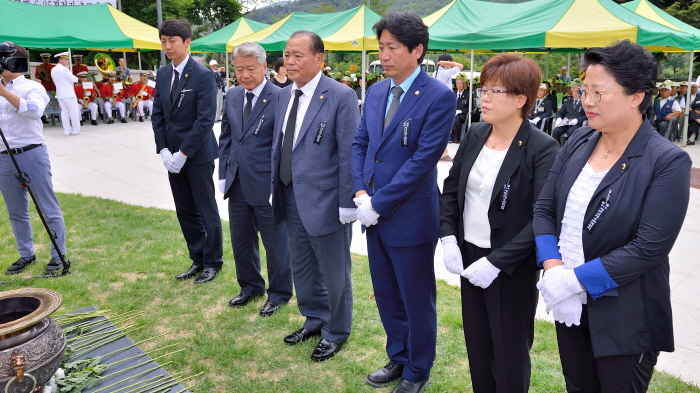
{"x":571,"y":115}
{"x":543,"y":107}
{"x":183,"y":117}
{"x":245,"y":148}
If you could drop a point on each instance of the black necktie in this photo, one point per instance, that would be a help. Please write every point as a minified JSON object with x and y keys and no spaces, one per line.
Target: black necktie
{"x":248,"y":107}
{"x":173,"y":89}
{"x":396,"y":92}
{"x":287,"y":144}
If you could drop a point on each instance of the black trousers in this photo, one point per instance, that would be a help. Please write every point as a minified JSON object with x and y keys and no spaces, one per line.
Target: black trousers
{"x":457,"y":127}
{"x":195,"y":205}
{"x":613,"y":374}
{"x":559,"y":131}
{"x":499,"y":324}
{"x":694,"y":126}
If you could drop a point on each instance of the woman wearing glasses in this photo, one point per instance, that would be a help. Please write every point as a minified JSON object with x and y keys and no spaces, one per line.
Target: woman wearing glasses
{"x":605,"y":223}
{"x":486,"y":224}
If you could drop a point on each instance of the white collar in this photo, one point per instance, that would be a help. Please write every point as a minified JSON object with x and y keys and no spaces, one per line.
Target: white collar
{"x":309,"y":88}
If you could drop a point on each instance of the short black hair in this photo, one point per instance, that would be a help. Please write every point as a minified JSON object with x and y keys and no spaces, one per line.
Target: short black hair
{"x":176,"y":27}
{"x":407,"y":27}
{"x":632,"y":66}
{"x":316,"y":41}
{"x":278,"y":63}
{"x":445,"y":57}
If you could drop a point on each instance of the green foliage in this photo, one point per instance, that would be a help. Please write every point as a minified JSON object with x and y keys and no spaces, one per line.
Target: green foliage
{"x":324,"y":7}
{"x":80,"y":365}
{"x":378,"y":6}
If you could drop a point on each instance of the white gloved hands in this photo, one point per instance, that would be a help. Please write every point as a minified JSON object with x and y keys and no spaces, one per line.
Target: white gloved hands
{"x":270,"y":200}
{"x":178,"y":161}
{"x":453,"y":256}
{"x":222,"y":185}
{"x":569,"y":310}
{"x":573,"y":122}
{"x":481,"y":273}
{"x":557,"y":285}
{"x":167,"y":157}
{"x":459,"y":112}
{"x":365,"y":213}
{"x":535,"y":120}
{"x":347,"y":215}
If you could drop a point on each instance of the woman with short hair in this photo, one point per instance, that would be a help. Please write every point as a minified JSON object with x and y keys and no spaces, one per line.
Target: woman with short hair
{"x":605,"y":224}
{"x":486,"y":213}
{"x":280,"y":79}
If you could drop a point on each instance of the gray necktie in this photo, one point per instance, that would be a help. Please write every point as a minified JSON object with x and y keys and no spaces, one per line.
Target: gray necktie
{"x":396,"y":92}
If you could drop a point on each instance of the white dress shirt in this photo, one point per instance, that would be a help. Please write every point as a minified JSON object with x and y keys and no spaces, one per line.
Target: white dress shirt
{"x":477,"y":228}
{"x":63,"y":78}
{"x":23,"y":126}
{"x":675,"y":106}
{"x":180,"y":68}
{"x":256,"y":93}
{"x":304,"y":100}
{"x":444,"y":75}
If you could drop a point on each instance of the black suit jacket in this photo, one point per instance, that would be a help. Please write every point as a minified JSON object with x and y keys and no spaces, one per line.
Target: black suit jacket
{"x":543,"y":111}
{"x":187,"y":123}
{"x":647,"y":192}
{"x":525,"y":169}
{"x":463,"y":105}
{"x":568,"y":109}
{"x":245,"y":150}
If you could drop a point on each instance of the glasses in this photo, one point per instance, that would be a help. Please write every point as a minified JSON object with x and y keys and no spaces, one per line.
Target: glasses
{"x":593,"y":95}
{"x":489,"y":92}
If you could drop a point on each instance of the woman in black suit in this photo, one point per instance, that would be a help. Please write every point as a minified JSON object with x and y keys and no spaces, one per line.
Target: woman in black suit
{"x":486,"y":225}
{"x":605,"y":223}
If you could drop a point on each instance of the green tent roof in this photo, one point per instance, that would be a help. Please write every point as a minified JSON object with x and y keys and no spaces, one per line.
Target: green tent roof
{"x":88,"y":26}
{"x":551,"y":24}
{"x":216,"y":41}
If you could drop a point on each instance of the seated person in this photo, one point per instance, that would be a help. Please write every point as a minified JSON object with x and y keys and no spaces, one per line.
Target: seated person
{"x":571,"y":115}
{"x":543,"y":107}
{"x":694,"y":114}
{"x":664,"y":109}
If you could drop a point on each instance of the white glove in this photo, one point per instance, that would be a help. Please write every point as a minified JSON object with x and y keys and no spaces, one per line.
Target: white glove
{"x":459,"y":112}
{"x":347,"y":214}
{"x":361,"y":199}
{"x":178,"y":161}
{"x":569,"y":311}
{"x":453,"y":256}
{"x":573,"y":122}
{"x":143,"y":93}
{"x":88,"y":93}
{"x":365,"y":213}
{"x":167,"y":157}
{"x":535,"y":120}
{"x":481,"y":273}
{"x":222,"y":185}
{"x":270,"y":200}
{"x":559,"y":121}
{"x":557,"y":285}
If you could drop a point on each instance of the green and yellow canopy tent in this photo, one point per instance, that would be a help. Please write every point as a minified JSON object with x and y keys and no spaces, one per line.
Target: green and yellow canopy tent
{"x":216,"y":41}
{"x":96,"y":27}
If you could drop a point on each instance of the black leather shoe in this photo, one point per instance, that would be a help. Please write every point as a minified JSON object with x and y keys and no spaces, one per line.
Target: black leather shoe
{"x":299,"y":336}
{"x":123,"y":120}
{"x":406,"y":386}
{"x":53,"y":266}
{"x":269,"y":308}
{"x":325,"y":350}
{"x":207,"y":274}
{"x":241,"y":300}
{"x":20,"y":265}
{"x":191,"y":272}
{"x":110,"y":121}
{"x":690,"y":143}
{"x":140,"y":119}
{"x":93,"y":122}
{"x":384,"y":376}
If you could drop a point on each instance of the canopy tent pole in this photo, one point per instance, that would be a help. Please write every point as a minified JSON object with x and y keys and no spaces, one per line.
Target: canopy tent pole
{"x":139,"y":52}
{"x":546,"y":66}
{"x":364,"y":72}
{"x":227,"y":75}
{"x":684,"y":131}
{"x":568,"y":64}
{"x":471,"y":91}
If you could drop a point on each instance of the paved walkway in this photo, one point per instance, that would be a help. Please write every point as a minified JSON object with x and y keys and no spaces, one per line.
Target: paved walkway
{"x":119,"y":162}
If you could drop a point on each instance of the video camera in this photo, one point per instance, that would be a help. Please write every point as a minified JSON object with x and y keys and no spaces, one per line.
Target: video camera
{"x":9,"y":59}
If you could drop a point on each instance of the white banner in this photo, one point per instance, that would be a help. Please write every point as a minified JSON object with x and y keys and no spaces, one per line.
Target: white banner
{"x":113,"y":3}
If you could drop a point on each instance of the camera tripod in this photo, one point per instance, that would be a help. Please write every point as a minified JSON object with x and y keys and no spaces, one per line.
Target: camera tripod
{"x":24,"y":182}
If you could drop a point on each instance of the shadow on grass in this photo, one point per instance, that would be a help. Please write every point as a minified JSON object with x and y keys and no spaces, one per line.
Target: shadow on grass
{"x":125,"y":257}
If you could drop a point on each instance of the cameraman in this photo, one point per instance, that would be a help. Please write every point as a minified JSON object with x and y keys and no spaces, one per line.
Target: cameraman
{"x":22,"y":104}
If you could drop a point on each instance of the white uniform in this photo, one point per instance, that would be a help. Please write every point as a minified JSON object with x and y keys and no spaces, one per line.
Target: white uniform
{"x":65,"y":93}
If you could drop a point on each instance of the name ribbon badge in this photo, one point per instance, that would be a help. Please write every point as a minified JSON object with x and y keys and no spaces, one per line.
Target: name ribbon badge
{"x":504,"y":198}
{"x":404,"y":136}
{"x":604,"y":205}
{"x":319,"y":134}
{"x":260,"y":123}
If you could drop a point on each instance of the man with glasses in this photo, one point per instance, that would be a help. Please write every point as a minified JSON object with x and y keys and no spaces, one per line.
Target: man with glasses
{"x":571,"y":115}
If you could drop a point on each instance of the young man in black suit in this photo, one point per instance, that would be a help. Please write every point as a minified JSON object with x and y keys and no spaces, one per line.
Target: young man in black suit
{"x":184,"y":109}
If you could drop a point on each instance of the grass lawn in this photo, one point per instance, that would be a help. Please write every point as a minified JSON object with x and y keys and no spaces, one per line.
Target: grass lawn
{"x":124,"y":258}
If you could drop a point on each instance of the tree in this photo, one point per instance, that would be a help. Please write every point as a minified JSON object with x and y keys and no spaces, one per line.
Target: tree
{"x":324,"y":7}
{"x":216,"y":13}
{"x":378,"y":6}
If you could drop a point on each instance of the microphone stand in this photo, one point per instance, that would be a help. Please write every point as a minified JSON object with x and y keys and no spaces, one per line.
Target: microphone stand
{"x":24,"y":182}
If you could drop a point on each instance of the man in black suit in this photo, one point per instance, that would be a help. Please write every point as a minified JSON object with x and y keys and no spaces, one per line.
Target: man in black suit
{"x":214,"y":67}
{"x":183,"y":117}
{"x":570,"y":117}
{"x":245,"y":148}
{"x":543,"y":107}
{"x":462,"y":109}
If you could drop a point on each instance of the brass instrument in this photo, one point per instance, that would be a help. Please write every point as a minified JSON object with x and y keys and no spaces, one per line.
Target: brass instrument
{"x":113,"y":99}
{"x":139,"y":97}
{"x":104,"y":63}
{"x":86,"y":101}
{"x":44,"y":73}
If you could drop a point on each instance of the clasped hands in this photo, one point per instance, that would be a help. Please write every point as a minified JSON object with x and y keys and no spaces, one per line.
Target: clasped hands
{"x":563,"y":295}
{"x":173,"y":162}
{"x":365,"y":212}
{"x":481,"y":273}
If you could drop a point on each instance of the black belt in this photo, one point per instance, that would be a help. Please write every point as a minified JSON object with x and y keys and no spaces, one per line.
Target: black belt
{"x":21,"y":149}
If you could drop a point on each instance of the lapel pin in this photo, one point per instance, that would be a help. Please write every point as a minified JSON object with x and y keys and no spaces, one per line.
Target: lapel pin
{"x":520,"y":143}
{"x":187,"y":75}
{"x":264,"y":100}
{"x":320,"y":97}
{"x":417,"y":92}
{"x":624,"y":166}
